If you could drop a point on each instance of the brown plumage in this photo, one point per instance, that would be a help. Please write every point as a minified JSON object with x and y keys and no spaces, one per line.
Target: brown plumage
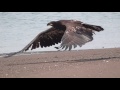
{"x":68,"y":32}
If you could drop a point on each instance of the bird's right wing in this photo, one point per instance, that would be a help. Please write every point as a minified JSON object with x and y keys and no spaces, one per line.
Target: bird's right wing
{"x":76,"y":35}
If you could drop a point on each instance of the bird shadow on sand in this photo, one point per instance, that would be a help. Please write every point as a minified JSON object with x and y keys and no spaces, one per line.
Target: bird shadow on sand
{"x":66,"y":61}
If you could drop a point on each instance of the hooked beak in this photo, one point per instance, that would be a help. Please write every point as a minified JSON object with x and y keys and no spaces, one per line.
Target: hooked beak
{"x":49,"y":24}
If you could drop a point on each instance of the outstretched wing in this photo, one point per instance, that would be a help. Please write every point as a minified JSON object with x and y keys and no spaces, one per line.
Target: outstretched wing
{"x":76,"y":34}
{"x":47,"y":38}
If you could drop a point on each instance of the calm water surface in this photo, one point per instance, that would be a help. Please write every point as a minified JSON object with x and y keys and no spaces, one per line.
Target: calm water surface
{"x":17,"y":29}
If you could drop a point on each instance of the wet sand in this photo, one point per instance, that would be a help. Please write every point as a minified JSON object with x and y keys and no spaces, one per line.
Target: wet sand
{"x":94,"y":63}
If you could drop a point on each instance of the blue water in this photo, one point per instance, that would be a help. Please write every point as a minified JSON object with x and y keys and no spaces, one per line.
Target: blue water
{"x":17,"y":29}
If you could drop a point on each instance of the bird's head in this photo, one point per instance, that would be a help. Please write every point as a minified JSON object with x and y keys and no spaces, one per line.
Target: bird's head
{"x":53,"y":23}
{"x":57,"y":25}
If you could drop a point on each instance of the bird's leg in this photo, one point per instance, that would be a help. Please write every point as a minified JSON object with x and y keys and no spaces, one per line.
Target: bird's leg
{"x":58,"y":48}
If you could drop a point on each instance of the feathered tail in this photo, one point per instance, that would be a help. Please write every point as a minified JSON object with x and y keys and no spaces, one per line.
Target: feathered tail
{"x":94,"y":27}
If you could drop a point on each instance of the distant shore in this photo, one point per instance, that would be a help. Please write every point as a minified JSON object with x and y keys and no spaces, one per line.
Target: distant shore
{"x":98,"y":63}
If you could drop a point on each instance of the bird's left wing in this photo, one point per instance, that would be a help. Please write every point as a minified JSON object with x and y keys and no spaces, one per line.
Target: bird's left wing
{"x":76,"y":35}
{"x":46,"y":38}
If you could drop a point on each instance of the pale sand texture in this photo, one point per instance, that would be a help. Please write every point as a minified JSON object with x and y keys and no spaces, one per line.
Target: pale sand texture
{"x":97,"y":63}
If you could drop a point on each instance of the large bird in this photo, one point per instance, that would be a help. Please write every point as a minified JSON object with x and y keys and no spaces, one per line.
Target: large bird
{"x":70,"y":33}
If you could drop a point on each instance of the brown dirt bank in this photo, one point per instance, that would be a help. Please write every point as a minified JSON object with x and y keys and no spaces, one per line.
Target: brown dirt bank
{"x":96,"y":63}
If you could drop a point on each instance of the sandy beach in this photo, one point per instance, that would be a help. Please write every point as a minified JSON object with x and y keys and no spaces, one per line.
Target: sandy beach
{"x":94,"y":63}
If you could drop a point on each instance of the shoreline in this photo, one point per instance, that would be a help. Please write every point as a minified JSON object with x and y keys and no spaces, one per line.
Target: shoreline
{"x":43,"y":52}
{"x":88,"y":63}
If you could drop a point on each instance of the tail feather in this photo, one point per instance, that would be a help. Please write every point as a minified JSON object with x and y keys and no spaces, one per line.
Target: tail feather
{"x":94,"y":27}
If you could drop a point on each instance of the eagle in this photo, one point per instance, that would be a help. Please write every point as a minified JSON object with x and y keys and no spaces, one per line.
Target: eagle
{"x":70,"y":33}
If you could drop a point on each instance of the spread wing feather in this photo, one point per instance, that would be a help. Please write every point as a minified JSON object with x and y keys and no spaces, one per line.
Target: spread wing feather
{"x":47,"y":38}
{"x":76,"y":35}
